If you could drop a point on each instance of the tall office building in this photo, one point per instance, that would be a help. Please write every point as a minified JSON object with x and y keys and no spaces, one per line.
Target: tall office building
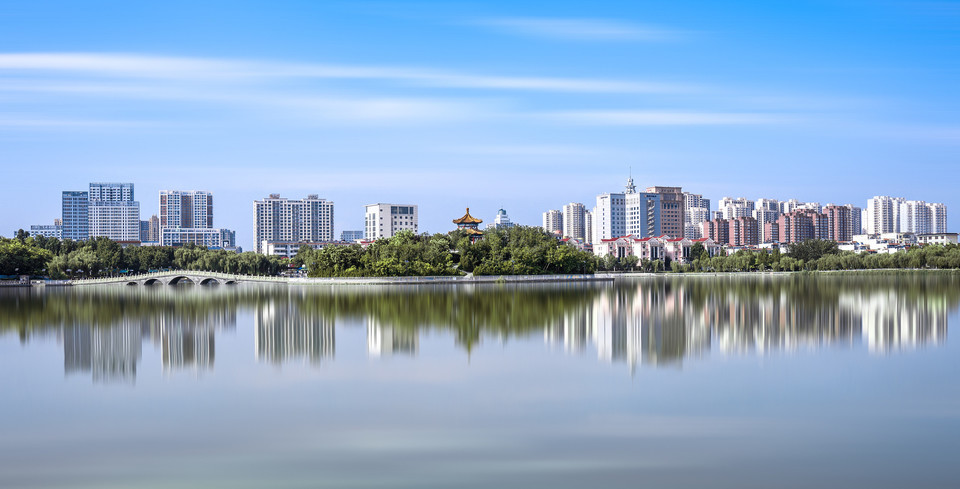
{"x":644,"y":214}
{"x":283,"y":220}
{"x":671,"y":210}
{"x":186,"y":209}
{"x":75,"y":215}
{"x":574,"y":221}
{"x":609,"y":217}
{"x":112,"y":212}
{"x":632,"y":212}
{"x":386,"y":220}
{"x":553,"y":221}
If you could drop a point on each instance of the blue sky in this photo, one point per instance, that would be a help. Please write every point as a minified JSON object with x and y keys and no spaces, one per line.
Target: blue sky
{"x":520,"y":105}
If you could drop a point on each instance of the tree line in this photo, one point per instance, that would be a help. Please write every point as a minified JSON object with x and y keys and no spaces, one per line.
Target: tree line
{"x":51,"y":257}
{"x":809,"y":255}
{"x":519,"y":250}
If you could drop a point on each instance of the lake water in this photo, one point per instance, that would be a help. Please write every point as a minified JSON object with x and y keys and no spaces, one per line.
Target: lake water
{"x":740,"y":382}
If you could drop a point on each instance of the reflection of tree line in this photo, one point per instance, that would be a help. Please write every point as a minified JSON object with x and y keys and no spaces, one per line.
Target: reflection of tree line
{"x":656,"y":321}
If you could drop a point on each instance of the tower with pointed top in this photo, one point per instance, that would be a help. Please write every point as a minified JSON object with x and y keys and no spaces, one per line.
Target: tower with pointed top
{"x":469,"y":224}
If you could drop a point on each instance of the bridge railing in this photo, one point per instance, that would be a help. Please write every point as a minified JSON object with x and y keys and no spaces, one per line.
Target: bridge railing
{"x":179,"y":273}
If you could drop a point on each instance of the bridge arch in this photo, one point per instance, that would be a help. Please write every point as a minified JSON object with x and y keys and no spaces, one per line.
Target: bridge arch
{"x":210,"y":281}
{"x":151,"y":281}
{"x":179,"y":279}
{"x":132,"y":283}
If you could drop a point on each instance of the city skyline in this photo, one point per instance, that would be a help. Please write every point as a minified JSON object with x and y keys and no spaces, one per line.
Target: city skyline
{"x":520,"y":107}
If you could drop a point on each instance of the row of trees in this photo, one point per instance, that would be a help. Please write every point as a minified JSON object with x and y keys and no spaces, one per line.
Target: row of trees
{"x":25,"y":255}
{"x":808,"y":255}
{"x":514,"y":251}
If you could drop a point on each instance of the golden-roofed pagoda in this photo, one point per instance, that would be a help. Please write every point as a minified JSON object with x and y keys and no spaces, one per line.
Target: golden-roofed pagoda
{"x":469,"y":224}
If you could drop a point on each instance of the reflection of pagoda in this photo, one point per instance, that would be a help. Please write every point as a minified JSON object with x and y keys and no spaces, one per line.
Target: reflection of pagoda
{"x":469,"y":224}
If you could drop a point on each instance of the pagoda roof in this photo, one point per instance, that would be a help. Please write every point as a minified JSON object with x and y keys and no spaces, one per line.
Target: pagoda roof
{"x":473,"y":231}
{"x":467,"y":219}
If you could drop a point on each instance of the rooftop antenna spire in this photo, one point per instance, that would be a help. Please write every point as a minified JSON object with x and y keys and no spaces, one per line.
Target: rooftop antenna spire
{"x":631,"y":188}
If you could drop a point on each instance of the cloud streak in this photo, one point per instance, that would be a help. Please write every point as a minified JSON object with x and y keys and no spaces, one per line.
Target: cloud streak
{"x":665,"y":118}
{"x":205,"y":69}
{"x":580,"y":29}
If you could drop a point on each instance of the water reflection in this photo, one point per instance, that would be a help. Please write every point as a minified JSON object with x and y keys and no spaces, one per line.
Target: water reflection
{"x":283,"y":333}
{"x":653,"y":321}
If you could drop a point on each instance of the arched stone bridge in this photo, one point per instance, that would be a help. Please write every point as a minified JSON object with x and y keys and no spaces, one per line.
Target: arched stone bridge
{"x":179,"y":277}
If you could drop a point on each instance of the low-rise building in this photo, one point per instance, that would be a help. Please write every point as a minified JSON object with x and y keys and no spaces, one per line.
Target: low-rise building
{"x":291,"y":248}
{"x":937,"y":238}
{"x":209,"y":237}
{"x":386,"y":220}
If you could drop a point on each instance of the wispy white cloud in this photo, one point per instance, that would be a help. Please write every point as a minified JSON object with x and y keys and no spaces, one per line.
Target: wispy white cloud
{"x":214,"y":70}
{"x":581,"y":29}
{"x":665,"y":118}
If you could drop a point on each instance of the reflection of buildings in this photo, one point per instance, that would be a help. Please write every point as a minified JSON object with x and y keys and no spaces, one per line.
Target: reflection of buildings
{"x":185,"y":346}
{"x":109,"y":353}
{"x":660,"y":322}
{"x":284,"y":333}
{"x":892,"y":321}
{"x":385,"y":341}
{"x":187,"y":338}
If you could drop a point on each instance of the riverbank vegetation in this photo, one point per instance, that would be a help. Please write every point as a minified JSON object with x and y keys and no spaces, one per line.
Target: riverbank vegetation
{"x":50,"y":257}
{"x":518,"y":250}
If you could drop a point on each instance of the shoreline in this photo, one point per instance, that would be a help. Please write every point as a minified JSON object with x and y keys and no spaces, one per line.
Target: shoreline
{"x":458,"y":280}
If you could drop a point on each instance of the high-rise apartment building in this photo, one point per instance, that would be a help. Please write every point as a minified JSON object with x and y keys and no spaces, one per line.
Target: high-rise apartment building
{"x":186,"y":209}
{"x":765,"y":211}
{"x":839,"y":222}
{"x":112,"y":212}
{"x":672,"y":204}
{"x":696,"y":211}
{"x":574,"y":221}
{"x":938,"y":217}
{"x":588,"y":227}
{"x":883,"y":214}
{"x":553,"y":221}
{"x":886,"y":214}
{"x":788,"y":206}
{"x":743,"y":231}
{"x":739,"y":207}
{"x":386,"y":220}
{"x":796,"y":226}
{"x":280,"y":219}
{"x":75,"y":215}
{"x":186,"y":217}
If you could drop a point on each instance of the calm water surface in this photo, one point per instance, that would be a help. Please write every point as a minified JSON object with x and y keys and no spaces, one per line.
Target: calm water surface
{"x":835,"y":381}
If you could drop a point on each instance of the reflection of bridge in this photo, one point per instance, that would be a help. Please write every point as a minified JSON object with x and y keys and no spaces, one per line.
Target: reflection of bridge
{"x":179,"y":277}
